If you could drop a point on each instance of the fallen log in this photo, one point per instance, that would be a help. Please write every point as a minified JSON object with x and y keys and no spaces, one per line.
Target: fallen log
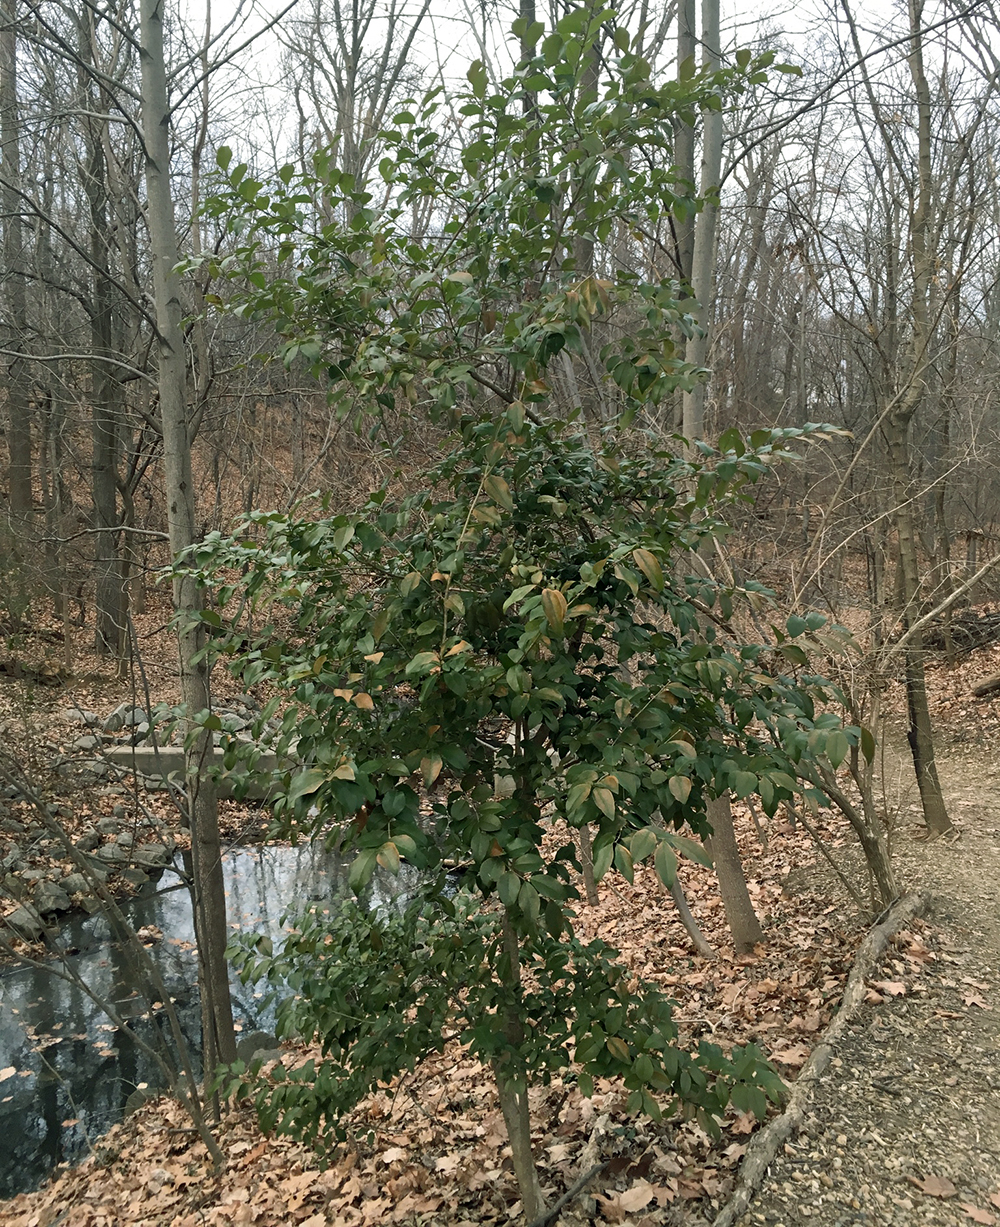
{"x":765,"y":1144}
{"x":988,"y":686}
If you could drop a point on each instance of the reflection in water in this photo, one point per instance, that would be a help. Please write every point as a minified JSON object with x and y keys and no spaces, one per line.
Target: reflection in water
{"x":73,"y":1068}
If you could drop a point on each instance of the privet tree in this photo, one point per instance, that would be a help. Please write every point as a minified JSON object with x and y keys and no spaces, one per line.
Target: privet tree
{"x":471,"y":672}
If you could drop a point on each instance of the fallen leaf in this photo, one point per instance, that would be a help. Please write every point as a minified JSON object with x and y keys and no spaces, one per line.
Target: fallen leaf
{"x":977,"y":1215}
{"x":793,"y":1057}
{"x":894,"y":988}
{"x":637,"y":1197}
{"x":934,"y":1186}
{"x":975,"y":999}
{"x":9,"y":1072}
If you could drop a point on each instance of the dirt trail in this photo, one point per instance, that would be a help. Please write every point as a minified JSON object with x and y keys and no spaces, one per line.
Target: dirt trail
{"x":904,"y":1128}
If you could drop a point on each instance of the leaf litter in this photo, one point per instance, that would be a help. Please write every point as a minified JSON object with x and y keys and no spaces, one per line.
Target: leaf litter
{"x":431,"y":1149}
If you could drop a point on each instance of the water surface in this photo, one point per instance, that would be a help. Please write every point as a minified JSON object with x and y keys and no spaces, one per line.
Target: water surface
{"x":73,"y":1068}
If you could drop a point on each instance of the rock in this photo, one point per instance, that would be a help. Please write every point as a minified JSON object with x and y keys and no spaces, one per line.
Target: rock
{"x":134,"y":717}
{"x":114,"y":720}
{"x":96,"y":768}
{"x":114,"y":854}
{"x":11,"y":792}
{"x":13,"y":862}
{"x":151,"y":856}
{"x":11,"y":826}
{"x":140,"y":732}
{"x":141,"y":1095}
{"x":76,"y":884}
{"x":137,"y":877}
{"x":108,"y":825}
{"x":79,"y":715}
{"x":254,"y":1044}
{"x":125,"y":838}
{"x":25,"y":923}
{"x":97,"y":869}
{"x":87,"y":743}
{"x":51,"y":898}
{"x":88,"y":841}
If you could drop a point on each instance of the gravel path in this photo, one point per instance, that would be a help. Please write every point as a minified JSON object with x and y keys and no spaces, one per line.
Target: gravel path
{"x":904,"y":1128}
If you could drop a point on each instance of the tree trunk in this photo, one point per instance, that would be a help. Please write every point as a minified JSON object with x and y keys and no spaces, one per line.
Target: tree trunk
{"x":106,"y":389}
{"x":703,"y":257}
{"x":701,"y":943}
{"x":587,"y":865}
{"x":684,"y":228}
{"x":209,"y":888}
{"x":920,"y":734}
{"x":15,"y":327}
{"x":512,"y":1088}
{"x":742,"y":919}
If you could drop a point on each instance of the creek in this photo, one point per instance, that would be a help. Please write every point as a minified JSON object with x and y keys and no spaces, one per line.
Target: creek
{"x":66,"y":1071}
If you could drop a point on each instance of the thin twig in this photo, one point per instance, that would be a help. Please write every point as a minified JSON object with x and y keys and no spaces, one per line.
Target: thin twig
{"x":550,"y":1216}
{"x":831,"y":862}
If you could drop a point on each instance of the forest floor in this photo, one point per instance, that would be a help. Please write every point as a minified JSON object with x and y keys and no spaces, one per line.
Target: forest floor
{"x":903,"y":1128}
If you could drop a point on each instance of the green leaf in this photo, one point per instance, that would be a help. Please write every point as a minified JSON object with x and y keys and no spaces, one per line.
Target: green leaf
{"x":421,"y":663}
{"x":643,"y":842}
{"x":603,"y":857}
{"x":362,"y":868}
{"x":508,"y":888}
{"x":305,"y":783}
{"x":650,"y":567}
{"x":680,"y":788}
{"x":665,"y":864}
{"x":623,"y":863}
{"x":867,"y":744}
{"x":499,"y":491}
{"x":555,"y":607}
{"x":577,"y":796}
{"x":529,"y":902}
{"x":837,"y":747}
{"x":477,"y":78}
{"x":743,"y":784}
{"x":691,"y":849}
{"x":388,"y":857}
{"x":605,"y":801}
{"x":796,"y":625}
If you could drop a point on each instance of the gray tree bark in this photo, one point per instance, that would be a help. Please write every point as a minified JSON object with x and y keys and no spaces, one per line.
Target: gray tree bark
{"x":107,"y":397}
{"x":15,"y":328}
{"x":742,"y":919}
{"x":206,"y":849}
{"x":703,"y":255}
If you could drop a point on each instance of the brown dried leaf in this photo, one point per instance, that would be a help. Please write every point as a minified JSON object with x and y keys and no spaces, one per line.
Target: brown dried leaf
{"x":894,"y":988}
{"x":934,"y":1186}
{"x":793,"y":1056}
{"x":978,"y":1215}
{"x":637,"y":1197}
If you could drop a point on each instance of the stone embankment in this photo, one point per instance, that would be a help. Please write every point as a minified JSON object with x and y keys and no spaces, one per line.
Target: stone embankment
{"x":56,"y":854}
